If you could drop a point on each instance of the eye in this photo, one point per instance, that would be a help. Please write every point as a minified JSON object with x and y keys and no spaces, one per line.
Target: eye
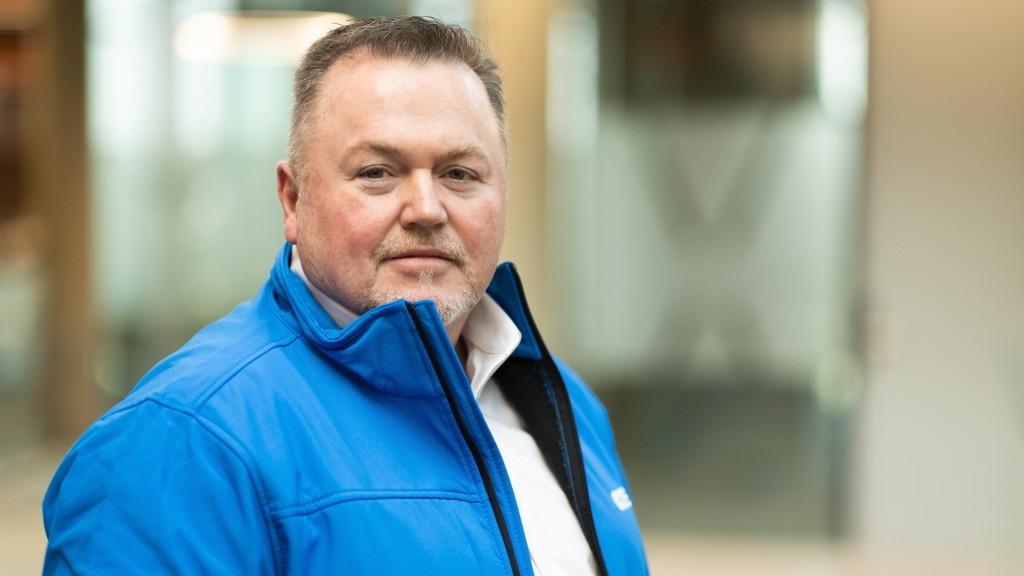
{"x":374,"y":173}
{"x":459,"y":174}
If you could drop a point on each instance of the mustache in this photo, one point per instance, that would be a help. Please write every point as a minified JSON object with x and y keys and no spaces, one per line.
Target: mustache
{"x":420,"y":238}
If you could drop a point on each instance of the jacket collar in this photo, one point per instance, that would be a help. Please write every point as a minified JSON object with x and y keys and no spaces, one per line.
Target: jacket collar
{"x":507,"y":290}
{"x":364,"y":344}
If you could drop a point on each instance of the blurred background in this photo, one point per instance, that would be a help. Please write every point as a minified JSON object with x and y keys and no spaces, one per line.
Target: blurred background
{"x":782,"y":239}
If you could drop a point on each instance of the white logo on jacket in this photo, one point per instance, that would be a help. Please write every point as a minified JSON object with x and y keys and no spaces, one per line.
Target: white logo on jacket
{"x":621,"y":498}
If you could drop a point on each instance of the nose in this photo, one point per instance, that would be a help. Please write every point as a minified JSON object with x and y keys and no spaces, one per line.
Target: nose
{"x":421,"y":205}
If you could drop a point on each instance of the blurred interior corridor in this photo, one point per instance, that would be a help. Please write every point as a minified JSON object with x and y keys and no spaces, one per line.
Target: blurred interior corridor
{"x":782,"y":240}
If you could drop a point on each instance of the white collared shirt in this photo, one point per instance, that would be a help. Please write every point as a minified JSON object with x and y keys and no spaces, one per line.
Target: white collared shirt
{"x":556,"y":541}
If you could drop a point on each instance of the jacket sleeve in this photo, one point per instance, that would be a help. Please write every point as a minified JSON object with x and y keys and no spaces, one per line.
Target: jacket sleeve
{"x":153,"y":490}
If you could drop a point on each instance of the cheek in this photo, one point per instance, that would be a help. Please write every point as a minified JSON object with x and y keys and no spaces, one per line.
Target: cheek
{"x":347,"y":228}
{"x":489,"y":230}
{"x":498,"y":233}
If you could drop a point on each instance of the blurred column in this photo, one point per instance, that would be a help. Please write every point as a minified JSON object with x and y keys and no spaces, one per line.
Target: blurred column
{"x":516,"y":34}
{"x":57,"y":185}
{"x":941,"y":460}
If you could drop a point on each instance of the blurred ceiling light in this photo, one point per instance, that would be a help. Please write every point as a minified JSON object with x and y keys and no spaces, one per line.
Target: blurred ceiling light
{"x":843,"y":60}
{"x":252,"y":36}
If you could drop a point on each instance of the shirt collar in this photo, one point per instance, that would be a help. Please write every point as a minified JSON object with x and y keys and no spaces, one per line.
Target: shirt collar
{"x":491,"y":337}
{"x":490,"y":334}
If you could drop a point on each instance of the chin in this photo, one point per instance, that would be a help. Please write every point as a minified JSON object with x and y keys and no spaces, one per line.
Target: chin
{"x":452,"y":302}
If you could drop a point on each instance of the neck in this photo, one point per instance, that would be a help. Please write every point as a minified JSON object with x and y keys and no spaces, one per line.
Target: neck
{"x":455,"y":336}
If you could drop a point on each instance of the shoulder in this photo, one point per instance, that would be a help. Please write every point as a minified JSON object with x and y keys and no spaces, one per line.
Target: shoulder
{"x":128,"y":495}
{"x":236,"y":347}
{"x":172,"y":450}
{"x":174,"y":397}
{"x":203,"y":388}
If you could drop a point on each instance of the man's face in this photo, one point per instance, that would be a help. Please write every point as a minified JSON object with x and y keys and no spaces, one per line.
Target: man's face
{"x":405,"y":185}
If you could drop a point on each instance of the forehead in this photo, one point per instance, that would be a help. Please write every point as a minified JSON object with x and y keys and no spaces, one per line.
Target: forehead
{"x":363,"y":91}
{"x":362,"y":74}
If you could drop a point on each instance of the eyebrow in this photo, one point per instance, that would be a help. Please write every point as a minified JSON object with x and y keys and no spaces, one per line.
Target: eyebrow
{"x":377,"y":147}
{"x":471,"y":150}
{"x":384,"y":149}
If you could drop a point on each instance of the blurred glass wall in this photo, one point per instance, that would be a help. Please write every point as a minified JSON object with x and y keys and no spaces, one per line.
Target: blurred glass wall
{"x":705,"y":175}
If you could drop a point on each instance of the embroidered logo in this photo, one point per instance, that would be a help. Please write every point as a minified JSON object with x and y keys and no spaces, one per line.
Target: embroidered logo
{"x":621,"y":498}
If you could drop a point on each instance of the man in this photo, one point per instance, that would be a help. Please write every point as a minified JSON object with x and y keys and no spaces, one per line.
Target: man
{"x":385,"y":404}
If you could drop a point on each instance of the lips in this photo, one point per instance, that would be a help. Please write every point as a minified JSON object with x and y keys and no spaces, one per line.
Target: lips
{"x":427,"y":252}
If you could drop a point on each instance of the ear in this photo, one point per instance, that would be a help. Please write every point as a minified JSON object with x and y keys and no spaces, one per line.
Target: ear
{"x":288,"y":194}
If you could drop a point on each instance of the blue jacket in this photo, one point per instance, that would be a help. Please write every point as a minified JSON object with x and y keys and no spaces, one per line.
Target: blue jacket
{"x":276,"y":443}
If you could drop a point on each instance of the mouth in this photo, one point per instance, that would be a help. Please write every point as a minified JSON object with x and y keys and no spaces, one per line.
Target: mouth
{"x":427,"y":253}
{"x":417,"y":261}
{"x":421,"y":250}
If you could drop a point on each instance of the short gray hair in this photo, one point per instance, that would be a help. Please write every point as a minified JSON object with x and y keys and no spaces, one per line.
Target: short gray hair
{"x":413,"y":38}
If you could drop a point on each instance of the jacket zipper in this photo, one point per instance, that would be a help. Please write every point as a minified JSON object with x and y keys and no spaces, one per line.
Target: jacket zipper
{"x":586,"y":519}
{"x":583,"y":513}
{"x":485,"y":475}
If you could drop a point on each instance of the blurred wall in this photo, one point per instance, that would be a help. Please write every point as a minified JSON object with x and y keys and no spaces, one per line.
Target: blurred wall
{"x":941,"y":449}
